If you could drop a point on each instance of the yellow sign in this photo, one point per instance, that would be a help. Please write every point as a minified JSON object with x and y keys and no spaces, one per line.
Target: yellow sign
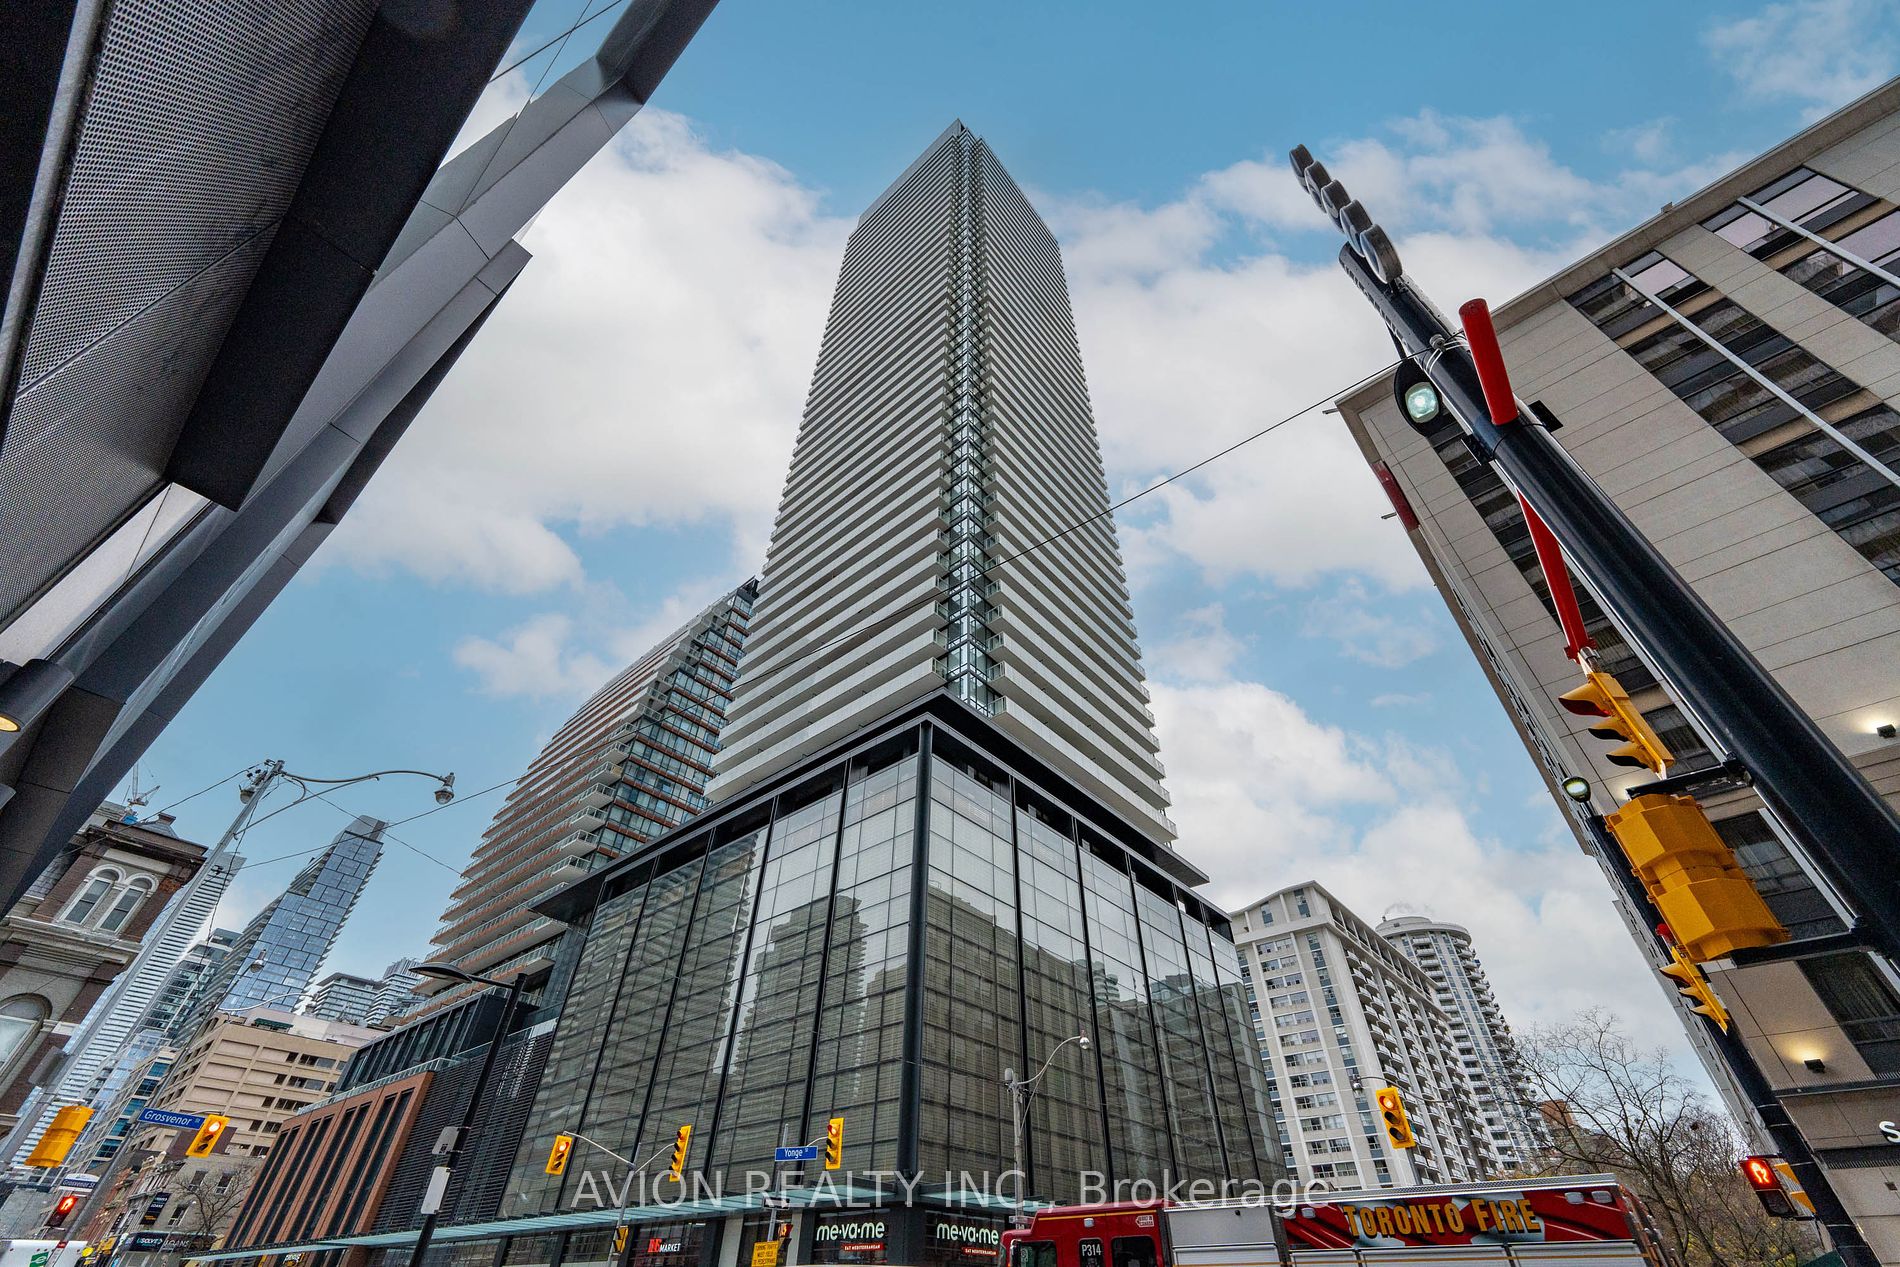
{"x":620,"y":1239}
{"x":765,"y":1254}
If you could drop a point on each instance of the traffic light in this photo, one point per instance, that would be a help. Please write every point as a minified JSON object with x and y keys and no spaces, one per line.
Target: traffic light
{"x":1711,"y":906}
{"x":1695,"y":987}
{"x":208,"y":1135}
{"x":61,"y":1134}
{"x":1603,"y":696}
{"x":63,"y":1209}
{"x":834,"y":1143}
{"x":1774,"y":1183}
{"x":558,"y":1155}
{"x":1418,"y":399}
{"x":680,"y":1143}
{"x":1398,"y":1128}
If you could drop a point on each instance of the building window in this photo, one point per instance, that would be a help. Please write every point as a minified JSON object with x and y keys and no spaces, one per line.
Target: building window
{"x":1790,"y":894}
{"x":20,"y":1018}
{"x":128,"y":904}
{"x":1854,"y":499}
{"x":89,"y":898}
{"x":1860,"y":999}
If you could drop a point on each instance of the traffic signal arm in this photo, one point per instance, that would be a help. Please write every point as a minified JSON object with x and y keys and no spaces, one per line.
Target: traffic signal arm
{"x":1711,"y":906}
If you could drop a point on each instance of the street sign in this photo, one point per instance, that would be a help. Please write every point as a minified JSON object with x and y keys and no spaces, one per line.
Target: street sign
{"x":807,"y":1152}
{"x":773,"y":1201}
{"x":765,"y":1254}
{"x":79,"y":1181}
{"x":165,"y":1117}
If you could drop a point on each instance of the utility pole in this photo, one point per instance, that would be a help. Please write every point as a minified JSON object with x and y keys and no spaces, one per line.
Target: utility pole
{"x":1842,"y":824}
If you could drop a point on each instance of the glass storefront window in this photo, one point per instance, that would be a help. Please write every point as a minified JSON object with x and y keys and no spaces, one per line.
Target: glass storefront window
{"x":592,"y":1248}
{"x":962,"y":1240}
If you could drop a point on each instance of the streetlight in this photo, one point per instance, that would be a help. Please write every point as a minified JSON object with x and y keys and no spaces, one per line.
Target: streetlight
{"x":1021,"y":1091}
{"x":450,"y":1147}
{"x":261,"y":777}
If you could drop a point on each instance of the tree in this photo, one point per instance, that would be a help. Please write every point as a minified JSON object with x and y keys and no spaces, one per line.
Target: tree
{"x":1613,"y":1106}
{"x":213,"y":1192}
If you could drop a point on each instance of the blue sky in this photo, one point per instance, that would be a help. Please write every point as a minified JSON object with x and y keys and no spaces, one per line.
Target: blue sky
{"x":608,"y":455}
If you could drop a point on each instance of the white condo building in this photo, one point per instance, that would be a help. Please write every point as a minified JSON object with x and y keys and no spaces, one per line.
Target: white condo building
{"x":896,"y":565}
{"x":1341,"y":1013}
{"x":1512,"y":1135}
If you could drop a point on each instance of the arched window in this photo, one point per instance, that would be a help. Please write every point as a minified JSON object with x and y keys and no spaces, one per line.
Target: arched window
{"x":90,"y":896}
{"x":129,"y":902}
{"x":20,"y":1016}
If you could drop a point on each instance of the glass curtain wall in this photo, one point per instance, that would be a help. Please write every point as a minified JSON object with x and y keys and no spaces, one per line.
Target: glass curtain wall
{"x":762,"y":988}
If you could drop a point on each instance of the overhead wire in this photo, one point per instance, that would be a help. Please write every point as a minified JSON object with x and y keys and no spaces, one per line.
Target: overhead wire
{"x":863,"y":630}
{"x":931,"y":599}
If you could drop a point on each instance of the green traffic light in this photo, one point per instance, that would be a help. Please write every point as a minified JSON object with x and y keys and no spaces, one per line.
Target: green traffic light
{"x":1421,"y":402}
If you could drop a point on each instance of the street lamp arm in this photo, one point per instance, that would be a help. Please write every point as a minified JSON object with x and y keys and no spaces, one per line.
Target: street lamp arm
{"x":364,"y":778}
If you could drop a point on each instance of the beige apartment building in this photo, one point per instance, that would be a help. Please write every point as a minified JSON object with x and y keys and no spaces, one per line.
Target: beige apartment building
{"x":256,"y":1067}
{"x":1728,"y":372}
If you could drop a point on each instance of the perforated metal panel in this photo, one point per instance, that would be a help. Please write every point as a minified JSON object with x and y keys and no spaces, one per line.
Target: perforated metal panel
{"x":201,"y":118}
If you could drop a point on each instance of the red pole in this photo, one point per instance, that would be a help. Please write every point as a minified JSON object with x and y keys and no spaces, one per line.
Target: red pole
{"x":1562,"y":596}
{"x":1482,"y":339}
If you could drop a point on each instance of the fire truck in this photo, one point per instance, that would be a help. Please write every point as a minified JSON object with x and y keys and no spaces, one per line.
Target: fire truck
{"x":1578,"y":1221}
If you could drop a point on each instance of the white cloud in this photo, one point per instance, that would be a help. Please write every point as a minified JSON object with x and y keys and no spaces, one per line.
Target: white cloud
{"x":1266,"y":797}
{"x":1821,"y":53}
{"x":1203,"y":651}
{"x":1196,"y":335}
{"x":1350,"y":620}
{"x":534,"y":659}
{"x":647,"y":369}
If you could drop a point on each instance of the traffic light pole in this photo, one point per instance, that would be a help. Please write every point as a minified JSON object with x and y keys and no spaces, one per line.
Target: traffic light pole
{"x":1844,"y":826}
{"x":1789,"y":1143}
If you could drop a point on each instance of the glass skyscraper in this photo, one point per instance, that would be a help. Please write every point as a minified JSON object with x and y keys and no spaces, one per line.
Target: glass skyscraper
{"x":276,"y":957}
{"x":936,"y":847}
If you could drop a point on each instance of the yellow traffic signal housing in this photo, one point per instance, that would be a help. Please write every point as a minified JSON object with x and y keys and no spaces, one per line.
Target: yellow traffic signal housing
{"x":558,"y":1155}
{"x":1711,"y":906}
{"x":1695,"y":987}
{"x":1603,"y":696}
{"x":680,"y":1143}
{"x":1398,"y":1127}
{"x":834,"y":1143}
{"x":61,"y":1134}
{"x":208,"y":1135}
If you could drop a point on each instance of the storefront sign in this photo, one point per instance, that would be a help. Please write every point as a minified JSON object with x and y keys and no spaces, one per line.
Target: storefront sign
{"x":1891,"y":1132}
{"x":963,"y":1239}
{"x":853,"y":1229}
{"x":850,"y":1238}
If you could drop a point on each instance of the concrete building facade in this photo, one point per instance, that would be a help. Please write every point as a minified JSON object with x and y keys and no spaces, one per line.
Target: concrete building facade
{"x":1339,"y":1013}
{"x":632,"y":762}
{"x":75,"y":932}
{"x":935,"y":486}
{"x":1511,"y":1129}
{"x":256,"y":1067}
{"x":342,"y":996}
{"x":1729,"y":374}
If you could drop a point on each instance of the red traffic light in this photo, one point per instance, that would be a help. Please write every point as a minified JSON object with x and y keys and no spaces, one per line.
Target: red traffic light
{"x":1759,"y":1173}
{"x":62,"y":1208}
{"x":1766,"y":1181}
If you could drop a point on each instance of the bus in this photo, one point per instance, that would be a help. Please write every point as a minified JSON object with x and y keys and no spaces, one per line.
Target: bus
{"x":1577,"y":1221}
